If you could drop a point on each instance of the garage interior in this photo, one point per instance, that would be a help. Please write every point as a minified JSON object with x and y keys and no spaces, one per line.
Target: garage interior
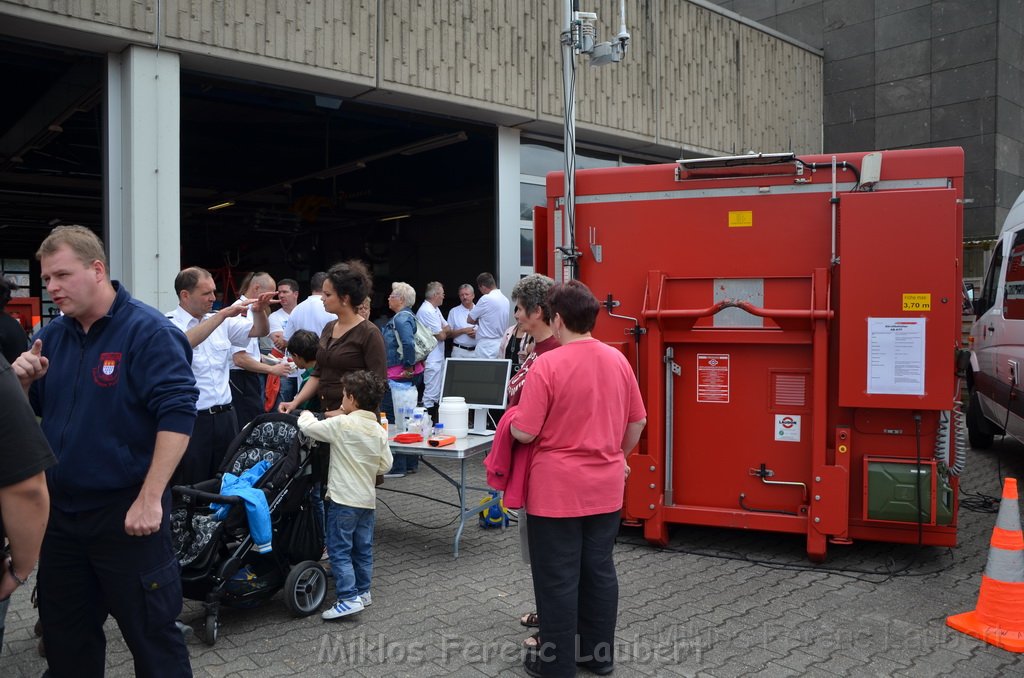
{"x":271,"y":179}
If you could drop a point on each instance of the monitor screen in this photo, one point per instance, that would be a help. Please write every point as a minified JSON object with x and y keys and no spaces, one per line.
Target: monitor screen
{"x":483,"y":383}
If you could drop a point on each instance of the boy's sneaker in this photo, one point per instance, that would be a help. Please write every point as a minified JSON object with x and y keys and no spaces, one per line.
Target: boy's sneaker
{"x":342,"y":608}
{"x":366,"y":599}
{"x":389,"y":474}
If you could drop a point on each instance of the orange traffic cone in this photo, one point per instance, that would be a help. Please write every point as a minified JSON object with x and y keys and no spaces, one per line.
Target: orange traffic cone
{"x":999,"y":617}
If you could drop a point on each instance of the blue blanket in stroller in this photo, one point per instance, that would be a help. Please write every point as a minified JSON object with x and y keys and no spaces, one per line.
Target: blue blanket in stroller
{"x":256,"y":508}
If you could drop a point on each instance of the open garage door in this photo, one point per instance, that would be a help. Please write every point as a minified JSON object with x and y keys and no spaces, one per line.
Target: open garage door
{"x":274,"y":179}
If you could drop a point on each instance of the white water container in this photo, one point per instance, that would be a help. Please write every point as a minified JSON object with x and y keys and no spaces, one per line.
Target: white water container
{"x":454,"y":414}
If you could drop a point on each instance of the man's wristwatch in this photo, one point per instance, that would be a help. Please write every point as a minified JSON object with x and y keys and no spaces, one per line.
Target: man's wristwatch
{"x":10,"y":568}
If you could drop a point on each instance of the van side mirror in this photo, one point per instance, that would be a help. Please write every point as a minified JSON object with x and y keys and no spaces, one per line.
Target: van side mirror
{"x":979,"y":306}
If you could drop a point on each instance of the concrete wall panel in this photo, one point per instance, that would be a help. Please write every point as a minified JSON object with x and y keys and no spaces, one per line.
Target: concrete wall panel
{"x":337,"y":36}
{"x":902,"y":62}
{"x":699,"y":78}
{"x":782,"y":84}
{"x":136,"y":15}
{"x":481,"y":51}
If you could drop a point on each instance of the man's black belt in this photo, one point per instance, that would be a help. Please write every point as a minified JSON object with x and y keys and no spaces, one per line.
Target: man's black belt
{"x":216,"y":409}
{"x":464,"y":348}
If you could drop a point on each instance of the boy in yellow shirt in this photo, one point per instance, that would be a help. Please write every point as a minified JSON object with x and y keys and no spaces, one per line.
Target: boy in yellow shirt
{"x":359,"y":453}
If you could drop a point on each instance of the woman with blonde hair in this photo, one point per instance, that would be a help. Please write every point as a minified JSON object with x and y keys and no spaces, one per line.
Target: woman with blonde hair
{"x":403,"y":371}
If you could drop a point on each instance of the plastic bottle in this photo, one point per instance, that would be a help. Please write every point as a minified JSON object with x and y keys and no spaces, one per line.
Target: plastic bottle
{"x":454,"y":412}
{"x":438,"y":429}
{"x":417,"y":424}
{"x":384,"y":421}
{"x":427,"y":426}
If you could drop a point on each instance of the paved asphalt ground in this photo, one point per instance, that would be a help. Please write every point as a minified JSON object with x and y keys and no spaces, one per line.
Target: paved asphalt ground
{"x":716,"y":603}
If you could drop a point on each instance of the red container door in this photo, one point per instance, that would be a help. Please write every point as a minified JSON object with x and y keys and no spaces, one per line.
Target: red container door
{"x":742,"y":416}
{"x":899,"y":291}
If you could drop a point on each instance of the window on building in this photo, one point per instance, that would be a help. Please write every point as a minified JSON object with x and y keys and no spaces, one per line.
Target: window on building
{"x":530,"y":196}
{"x":526,"y":247}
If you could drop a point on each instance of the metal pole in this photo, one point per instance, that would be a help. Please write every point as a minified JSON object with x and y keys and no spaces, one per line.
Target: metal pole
{"x":671,"y":369}
{"x":834,"y":204}
{"x":569,"y":139}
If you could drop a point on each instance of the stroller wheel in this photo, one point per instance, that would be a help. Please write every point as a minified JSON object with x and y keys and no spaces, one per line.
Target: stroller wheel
{"x":305,"y":588}
{"x":210,"y":630}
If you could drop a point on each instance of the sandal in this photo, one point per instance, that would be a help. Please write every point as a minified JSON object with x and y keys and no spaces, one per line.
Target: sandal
{"x":530,"y":619}
{"x":532,"y":642}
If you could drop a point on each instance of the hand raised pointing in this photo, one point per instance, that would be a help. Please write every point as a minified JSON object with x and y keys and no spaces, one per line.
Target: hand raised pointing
{"x":31,"y":364}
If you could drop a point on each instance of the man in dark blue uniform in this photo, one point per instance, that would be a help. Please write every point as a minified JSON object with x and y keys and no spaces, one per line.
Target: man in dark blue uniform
{"x":112,"y":382}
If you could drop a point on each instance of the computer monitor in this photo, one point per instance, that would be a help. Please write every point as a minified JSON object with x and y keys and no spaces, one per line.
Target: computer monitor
{"x":483,"y":383}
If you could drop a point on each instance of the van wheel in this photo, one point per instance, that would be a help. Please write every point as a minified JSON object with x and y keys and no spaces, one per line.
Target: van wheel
{"x":978,"y":430}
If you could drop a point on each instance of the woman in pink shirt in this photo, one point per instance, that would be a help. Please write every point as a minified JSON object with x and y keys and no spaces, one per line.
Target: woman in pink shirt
{"x":581,"y":408}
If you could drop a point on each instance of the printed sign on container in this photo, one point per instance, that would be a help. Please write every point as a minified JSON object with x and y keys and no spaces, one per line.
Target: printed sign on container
{"x":712,"y":378}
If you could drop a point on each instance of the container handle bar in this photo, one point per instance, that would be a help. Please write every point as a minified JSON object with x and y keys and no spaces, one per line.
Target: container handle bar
{"x":746,"y":306}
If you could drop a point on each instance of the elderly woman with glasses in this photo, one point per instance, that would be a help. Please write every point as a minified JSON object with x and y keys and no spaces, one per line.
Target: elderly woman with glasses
{"x":403,"y":370}
{"x":533,"y":315}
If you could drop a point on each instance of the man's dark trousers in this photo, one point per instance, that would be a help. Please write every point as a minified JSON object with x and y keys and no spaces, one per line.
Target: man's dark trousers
{"x":210,"y":439}
{"x":90,"y":567}
{"x":246,"y":395}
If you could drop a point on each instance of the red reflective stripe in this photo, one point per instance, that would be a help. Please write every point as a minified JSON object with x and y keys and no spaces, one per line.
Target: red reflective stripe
{"x":1008,"y":540}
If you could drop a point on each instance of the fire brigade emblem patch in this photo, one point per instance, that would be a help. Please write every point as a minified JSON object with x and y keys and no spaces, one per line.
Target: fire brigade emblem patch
{"x":107,"y":372}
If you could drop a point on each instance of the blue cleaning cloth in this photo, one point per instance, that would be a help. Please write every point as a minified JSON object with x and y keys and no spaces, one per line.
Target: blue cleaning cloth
{"x":256,"y":508}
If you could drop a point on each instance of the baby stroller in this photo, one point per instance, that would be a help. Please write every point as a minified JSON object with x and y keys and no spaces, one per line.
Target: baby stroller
{"x":219,"y":560}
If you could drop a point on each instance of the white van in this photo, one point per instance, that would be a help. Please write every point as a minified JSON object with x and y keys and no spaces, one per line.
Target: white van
{"x":997,"y":340}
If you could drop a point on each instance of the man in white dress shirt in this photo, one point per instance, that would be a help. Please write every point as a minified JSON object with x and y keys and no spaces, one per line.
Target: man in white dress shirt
{"x":249,"y":371}
{"x":430,"y":315}
{"x":310,"y":313}
{"x":491,"y":317}
{"x":215,"y":338}
{"x":462,"y":334}
{"x":288,"y":296}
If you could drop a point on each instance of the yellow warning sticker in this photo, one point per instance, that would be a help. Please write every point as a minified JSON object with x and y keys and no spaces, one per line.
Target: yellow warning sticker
{"x":917,"y":302}
{"x":741,"y":219}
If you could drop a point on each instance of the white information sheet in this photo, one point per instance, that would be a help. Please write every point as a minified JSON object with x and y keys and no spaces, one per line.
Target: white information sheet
{"x":896,"y":356}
